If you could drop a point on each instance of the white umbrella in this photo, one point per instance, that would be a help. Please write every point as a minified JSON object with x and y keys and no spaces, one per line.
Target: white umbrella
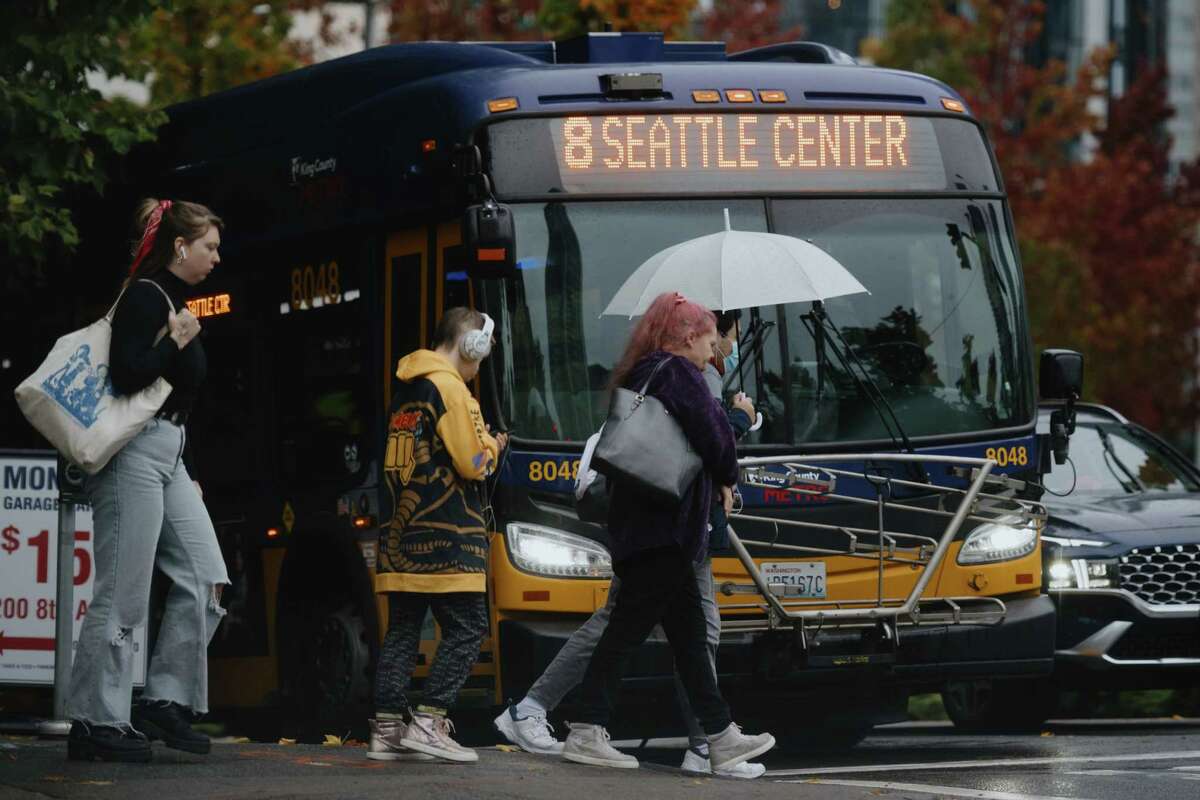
{"x":736,"y":269}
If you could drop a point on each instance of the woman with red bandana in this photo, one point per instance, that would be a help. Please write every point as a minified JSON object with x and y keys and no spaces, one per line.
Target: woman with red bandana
{"x":148,"y":511}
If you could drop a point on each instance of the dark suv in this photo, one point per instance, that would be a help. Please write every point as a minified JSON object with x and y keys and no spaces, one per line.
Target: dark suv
{"x":1121,"y":559}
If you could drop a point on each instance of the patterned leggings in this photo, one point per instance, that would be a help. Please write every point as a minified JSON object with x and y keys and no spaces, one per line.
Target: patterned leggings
{"x":463,"y":620}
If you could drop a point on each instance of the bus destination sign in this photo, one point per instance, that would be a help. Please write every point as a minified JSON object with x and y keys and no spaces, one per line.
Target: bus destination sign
{"x":654,"y":153}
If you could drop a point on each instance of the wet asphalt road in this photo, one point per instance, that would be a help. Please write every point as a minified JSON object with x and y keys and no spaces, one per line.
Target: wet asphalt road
{"x":1088,"y":760}
{"x":1098,"y":760}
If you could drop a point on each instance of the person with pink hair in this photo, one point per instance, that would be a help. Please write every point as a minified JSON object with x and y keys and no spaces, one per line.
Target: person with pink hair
{"x":656,"y":547}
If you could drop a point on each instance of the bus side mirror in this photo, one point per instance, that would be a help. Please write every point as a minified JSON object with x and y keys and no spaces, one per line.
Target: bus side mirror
{"x":1060,"y":377}
{"x":489,"y":241}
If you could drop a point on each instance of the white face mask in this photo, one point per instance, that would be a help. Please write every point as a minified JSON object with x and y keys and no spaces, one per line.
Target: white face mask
{"x":732,"y":360}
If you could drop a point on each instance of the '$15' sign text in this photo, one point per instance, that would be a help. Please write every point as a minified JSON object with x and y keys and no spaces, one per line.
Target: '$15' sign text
{"x":11,"y":542}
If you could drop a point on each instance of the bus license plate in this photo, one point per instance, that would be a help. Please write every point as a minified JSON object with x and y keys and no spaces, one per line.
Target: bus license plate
{"x":798,"y":578}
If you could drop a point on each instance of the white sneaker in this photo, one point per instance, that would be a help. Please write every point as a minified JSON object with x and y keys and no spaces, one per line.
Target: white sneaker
{"x":588,"y":744}
{"x":731,"y":747}
{"x":698,"y":764}
{"x":386,"y":735}
{"x":430,"y":734}
{"x":533,"y":734}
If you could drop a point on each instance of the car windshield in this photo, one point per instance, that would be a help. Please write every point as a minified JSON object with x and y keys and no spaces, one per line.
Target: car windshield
{"x":940,"y":334}
{"x":1112,"y":459}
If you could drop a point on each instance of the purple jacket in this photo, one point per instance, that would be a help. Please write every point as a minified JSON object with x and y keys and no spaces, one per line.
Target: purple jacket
{"x":637,"y":522}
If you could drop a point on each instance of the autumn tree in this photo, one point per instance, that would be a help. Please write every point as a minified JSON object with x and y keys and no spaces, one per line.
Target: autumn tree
{"x":463,"y":20}
{"x":562,"y":19}
{"x":743,"y":25}
{"x":1107,"y":240}
{"x":196,"y":47}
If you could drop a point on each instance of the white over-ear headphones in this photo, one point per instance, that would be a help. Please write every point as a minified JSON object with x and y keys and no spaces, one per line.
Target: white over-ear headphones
{"x":476,"y":345}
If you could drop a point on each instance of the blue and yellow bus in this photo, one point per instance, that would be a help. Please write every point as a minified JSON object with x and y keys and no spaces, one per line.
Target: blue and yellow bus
{"x":345,"y":185}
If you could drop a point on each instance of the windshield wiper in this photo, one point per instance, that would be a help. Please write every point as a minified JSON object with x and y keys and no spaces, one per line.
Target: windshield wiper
{"x":866,"y":385}
{"x":1110,"y":452}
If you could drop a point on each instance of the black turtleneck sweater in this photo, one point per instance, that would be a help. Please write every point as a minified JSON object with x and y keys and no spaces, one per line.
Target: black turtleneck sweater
{"x":135,"y":361}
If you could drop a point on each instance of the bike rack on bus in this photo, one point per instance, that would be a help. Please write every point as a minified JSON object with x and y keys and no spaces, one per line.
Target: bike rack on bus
{"x":801,"y":475}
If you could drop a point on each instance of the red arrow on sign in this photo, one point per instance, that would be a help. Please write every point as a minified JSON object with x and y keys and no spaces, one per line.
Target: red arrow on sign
{"x":25,"y":643}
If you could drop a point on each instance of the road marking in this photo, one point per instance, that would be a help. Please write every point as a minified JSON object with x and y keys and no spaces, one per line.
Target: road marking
{"x":996,"y":762}
{"x":945,"y":791}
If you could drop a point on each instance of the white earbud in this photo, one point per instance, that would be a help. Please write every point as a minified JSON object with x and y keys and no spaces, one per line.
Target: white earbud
{"x":182,"y":252}
{"x":476,"y":345}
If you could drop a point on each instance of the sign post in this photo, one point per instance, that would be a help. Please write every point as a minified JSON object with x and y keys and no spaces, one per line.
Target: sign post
{"x":70,"y":491}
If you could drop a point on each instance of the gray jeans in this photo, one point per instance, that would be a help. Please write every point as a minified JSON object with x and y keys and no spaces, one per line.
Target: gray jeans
{"x":147,"y":512}
{"x":567,"y":669}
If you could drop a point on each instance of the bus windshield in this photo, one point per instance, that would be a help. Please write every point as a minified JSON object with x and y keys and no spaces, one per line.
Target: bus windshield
{"x":939,"y":333}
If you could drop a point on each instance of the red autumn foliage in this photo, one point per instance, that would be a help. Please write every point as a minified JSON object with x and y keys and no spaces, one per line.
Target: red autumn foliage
{"x":743,"y":25}
{"x":1108,"y":237}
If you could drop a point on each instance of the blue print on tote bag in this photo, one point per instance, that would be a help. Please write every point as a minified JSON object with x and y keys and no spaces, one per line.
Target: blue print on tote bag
{"x":79,"y":387}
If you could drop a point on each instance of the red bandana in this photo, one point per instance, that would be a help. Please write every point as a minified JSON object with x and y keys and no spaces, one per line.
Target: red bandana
{"x":151,"y":231}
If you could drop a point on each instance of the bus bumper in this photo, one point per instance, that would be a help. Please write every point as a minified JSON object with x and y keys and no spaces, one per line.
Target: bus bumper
{"x":1022,"y":645}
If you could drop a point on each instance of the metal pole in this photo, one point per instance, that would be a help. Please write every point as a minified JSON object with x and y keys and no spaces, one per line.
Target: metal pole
{"x":69,"y":485}
{"x":368,"y":24}
{"x":64,"y":603}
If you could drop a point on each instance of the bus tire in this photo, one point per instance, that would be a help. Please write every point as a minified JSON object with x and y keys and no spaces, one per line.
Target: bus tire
{"x":999,"y":705}
{"x":324,"y":635}
{"x":327,"y":681}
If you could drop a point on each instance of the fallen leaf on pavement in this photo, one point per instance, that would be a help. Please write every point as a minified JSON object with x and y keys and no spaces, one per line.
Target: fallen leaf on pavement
{"x":333,"y":740}
{"x":507,"y":748}
{"x":1047,"y":734}
{"x":287,"y":741}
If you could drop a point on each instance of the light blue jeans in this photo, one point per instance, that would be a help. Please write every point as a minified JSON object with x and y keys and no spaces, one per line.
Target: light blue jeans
{"x":566,"y":670}
{"x":147,"y":513}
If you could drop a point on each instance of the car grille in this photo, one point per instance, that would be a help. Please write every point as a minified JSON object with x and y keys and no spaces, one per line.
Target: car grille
{"x":1163,"y":575}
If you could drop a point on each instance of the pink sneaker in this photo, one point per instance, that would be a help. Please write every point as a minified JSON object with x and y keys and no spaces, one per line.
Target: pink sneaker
{"x":385,"y":742}
{"x":430,"y":734}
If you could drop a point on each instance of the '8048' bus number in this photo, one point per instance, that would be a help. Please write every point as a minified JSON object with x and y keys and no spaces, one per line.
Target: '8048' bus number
{"x":322,"y":284}
{"x":551,"y":470}
{"x":1008,"y":456}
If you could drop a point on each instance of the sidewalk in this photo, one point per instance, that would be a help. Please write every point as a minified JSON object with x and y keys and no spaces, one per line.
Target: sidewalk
{"x":32,"y":768}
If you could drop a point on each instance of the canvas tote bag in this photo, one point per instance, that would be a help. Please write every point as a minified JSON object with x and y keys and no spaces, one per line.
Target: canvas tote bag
{"x":643,"y":445}
{"x":69,"y":398}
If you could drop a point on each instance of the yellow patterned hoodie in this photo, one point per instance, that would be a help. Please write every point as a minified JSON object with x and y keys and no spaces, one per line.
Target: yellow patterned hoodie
{"x":437,"y":451}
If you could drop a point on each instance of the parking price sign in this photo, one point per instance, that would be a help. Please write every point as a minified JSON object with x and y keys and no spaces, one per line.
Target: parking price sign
{"x":28,"y":569}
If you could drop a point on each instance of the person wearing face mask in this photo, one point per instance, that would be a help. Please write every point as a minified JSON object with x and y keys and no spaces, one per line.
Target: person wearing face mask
{"x":725,"y":354}
{"x":149,"y":512}
{"x":433,"y":548}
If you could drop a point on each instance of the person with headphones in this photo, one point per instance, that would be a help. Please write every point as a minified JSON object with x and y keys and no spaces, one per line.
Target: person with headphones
{"x":433,"y":546}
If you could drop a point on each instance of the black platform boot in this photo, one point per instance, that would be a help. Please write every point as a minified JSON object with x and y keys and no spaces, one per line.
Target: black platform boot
{"x":172,"y":724}
{"x":91,"y":742}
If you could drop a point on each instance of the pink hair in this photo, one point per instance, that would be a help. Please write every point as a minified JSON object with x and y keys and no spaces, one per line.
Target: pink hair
{"x":668,"y":323}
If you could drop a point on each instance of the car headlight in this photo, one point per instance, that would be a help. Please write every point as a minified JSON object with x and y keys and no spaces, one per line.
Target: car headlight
{"x":549,"y":551}
{"x":998,"y":542}
{"x":1082,"y":573}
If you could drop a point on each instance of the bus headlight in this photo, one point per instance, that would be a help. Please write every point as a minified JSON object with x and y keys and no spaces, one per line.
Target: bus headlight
{"x":1083,"y":573}
{"x":549,"y":551}
{"x":998,"y":542}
